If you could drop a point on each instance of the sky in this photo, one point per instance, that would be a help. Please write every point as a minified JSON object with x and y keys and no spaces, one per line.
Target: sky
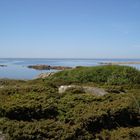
{"x":70,"y":28}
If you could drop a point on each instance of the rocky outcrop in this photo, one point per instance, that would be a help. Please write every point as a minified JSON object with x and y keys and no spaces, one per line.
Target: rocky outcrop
{"x":85,"y":89}
{"x":65,"y":88}
{"x":45,"y":75}
{"x":3,"y":65}
{"x":48,"y":67}
{"x":95,"y":91}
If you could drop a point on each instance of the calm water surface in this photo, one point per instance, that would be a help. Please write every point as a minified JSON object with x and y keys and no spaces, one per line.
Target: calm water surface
{"x":17,"y":68}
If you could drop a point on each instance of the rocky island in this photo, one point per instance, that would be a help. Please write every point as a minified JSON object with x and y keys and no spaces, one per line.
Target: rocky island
{"x":48,"y":67}
{"x":3,"y":65}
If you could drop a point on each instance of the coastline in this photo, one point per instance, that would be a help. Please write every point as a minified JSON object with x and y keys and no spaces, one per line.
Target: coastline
{"x":119,"y":63}
{"x":19,"y":68}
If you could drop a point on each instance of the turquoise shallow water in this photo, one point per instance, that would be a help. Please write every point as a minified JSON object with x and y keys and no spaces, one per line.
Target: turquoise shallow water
{"x":17,"y":67}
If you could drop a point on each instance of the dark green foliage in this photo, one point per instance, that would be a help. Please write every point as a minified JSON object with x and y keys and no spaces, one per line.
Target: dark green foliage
{"x":31,"y":105}
{"x":34,"y":110}
{"x":120,"y":134}
{"x":75,"y":116}
{"x":115,"y":89}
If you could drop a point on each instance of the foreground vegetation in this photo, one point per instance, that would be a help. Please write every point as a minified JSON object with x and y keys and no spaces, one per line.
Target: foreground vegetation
{"x":34,"y":110}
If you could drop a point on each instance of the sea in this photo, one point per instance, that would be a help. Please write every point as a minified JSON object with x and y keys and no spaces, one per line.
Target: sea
{"x":17,"y":68}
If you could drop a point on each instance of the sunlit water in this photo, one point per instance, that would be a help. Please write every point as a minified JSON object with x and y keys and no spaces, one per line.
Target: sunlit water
{"x":17,"y":68}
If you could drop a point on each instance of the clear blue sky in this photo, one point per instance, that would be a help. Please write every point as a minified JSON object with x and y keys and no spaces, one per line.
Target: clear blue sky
{"x":70,"y":28}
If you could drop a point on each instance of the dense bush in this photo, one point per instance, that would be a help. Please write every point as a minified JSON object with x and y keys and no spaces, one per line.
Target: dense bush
{"x":73,"y":116}
{"x":110,"y":75}
{"x":34,"y":110}
{"x":120,"y":134}
{"x":31,"y":105}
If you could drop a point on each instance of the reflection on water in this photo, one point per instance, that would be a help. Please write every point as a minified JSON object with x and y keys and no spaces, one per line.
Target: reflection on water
{"x":17,"y":68}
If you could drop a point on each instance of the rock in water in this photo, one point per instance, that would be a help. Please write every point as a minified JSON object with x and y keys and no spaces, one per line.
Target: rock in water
{"x":48,"y":67}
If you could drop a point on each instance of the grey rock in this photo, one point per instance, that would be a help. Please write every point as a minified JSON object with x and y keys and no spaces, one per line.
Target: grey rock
{"x":86,"y":89}
{"x":45,"y":75}
{"x":2,"y":136}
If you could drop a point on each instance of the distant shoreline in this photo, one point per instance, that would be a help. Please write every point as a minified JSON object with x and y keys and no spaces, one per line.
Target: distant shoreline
{"x":19,"y":69}
{"x":133,"y":59}
{"x":118,"y":63}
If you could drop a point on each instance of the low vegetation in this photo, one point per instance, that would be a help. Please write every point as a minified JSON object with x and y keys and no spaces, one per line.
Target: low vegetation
{"x":105,"y":75}
{"x":34,"y":110}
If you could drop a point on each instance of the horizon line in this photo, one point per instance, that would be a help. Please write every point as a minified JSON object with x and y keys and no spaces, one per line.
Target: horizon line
{"x":58,"y":58}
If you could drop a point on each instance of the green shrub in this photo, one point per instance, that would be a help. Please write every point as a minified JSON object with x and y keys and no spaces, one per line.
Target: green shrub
{"x":120,"y":134}
{"x":28,"y":107}
{"x":109,"y":75}
{"x":34,"y":110}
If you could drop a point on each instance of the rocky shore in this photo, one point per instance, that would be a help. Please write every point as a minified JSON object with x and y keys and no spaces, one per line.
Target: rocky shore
{"x":45,"y":75}
{"x":48,"y":67}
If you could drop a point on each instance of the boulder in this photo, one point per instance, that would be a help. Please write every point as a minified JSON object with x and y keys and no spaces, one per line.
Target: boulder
{"x":2,"y":136}
{"x":82,"y":89}
{"x":71,"y":88}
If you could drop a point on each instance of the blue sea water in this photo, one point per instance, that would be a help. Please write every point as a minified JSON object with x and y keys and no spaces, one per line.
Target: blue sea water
{"x":17,"y":67}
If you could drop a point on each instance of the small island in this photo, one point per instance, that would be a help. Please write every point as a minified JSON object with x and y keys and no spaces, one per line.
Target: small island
{"x":3,"y":65}
{"x":48,"y":67}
